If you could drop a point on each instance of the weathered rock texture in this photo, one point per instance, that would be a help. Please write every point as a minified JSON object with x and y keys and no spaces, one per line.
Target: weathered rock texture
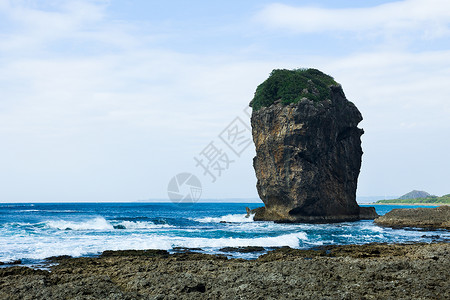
{"x":438,"y":217}
{"x":335,"y":272}
{"x":308,"y":158}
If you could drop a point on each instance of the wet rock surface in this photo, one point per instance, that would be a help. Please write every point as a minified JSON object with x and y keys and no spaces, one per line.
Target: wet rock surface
{"x":375,"y":271}
{"x":14,"y":262}
{"x":308,"y":158}
{"x":248,"y":249}
{"x":437,"y":217}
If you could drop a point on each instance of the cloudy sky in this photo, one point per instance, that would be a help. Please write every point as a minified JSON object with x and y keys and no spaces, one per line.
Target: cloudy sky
{"x":108,"y":100}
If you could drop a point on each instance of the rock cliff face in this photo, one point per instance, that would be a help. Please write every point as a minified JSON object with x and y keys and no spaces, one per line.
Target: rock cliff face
{"x":308,"y":157}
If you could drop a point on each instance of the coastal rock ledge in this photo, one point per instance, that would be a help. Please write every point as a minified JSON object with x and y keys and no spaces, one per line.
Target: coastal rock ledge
{"x":422,"y":217}
{"x":308,"y":149}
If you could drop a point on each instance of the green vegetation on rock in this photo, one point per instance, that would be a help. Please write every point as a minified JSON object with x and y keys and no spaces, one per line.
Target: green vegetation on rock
{"x":430,"y":199}
{"x":290,"y":86}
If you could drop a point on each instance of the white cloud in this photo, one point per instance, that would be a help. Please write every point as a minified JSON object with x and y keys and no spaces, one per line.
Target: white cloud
{"x":104,"y":118}
{"x":418,"y":75}
{"x":134,"y":112}
{"x":36,"y":26}
{"x":429,"y":17}
{"x":404,"y":101}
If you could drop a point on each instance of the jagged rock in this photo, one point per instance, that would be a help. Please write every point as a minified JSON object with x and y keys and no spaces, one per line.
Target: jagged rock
{"x":308,"y":151}
{"x":246,"y":249}
{"x":147,"y":253}
{"x":372,"y":271}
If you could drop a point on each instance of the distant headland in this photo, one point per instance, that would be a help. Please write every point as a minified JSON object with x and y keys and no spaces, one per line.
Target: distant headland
{"x":418,"y":198}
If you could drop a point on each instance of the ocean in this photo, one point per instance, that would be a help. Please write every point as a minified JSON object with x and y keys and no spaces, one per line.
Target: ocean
{"x":31,"y":232}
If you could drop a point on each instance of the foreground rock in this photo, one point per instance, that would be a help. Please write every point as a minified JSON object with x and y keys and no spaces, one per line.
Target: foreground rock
{"x":418,"y":271}
{"x":438,"y":217}
{"x":308,"y":149}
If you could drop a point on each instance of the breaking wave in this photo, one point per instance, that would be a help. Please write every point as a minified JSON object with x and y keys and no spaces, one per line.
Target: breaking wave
{"x":100,"y":223}
{"x":233,"y":218}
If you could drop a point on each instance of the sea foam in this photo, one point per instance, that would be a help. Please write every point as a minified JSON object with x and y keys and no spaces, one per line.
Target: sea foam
{"x":143,"y":225}
{"x":38,"y":234}
{"x":232,"y":218}
{"x":92,"y":224}
{"x":100,"y":223}
{"x":91,"y":245}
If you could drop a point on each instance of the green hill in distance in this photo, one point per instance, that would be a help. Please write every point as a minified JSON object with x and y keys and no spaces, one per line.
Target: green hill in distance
{"x":418,"y":197}
{"x":415,"y":194}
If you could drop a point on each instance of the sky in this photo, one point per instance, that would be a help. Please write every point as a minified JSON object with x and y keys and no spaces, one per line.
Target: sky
{"x":109,"y":100}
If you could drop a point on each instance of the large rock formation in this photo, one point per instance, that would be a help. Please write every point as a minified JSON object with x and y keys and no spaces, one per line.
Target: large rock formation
{"x":308,"y":149}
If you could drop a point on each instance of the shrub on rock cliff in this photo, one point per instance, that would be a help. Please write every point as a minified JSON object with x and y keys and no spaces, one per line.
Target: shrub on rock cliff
{"x":290,"y":86}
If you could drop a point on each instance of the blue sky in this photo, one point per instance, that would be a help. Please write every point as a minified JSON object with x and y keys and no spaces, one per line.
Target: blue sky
{"x":108,"y":100}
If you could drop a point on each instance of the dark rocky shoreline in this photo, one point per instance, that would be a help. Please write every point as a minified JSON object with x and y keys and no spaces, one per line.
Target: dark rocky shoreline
{"x":373,"y":271}
{"x":431,"y":218}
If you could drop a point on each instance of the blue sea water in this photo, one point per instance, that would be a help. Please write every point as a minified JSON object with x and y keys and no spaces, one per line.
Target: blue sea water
{"x":33,"y":231}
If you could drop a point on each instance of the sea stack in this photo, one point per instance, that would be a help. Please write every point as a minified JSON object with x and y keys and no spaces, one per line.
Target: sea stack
{"x":308,"y":149}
